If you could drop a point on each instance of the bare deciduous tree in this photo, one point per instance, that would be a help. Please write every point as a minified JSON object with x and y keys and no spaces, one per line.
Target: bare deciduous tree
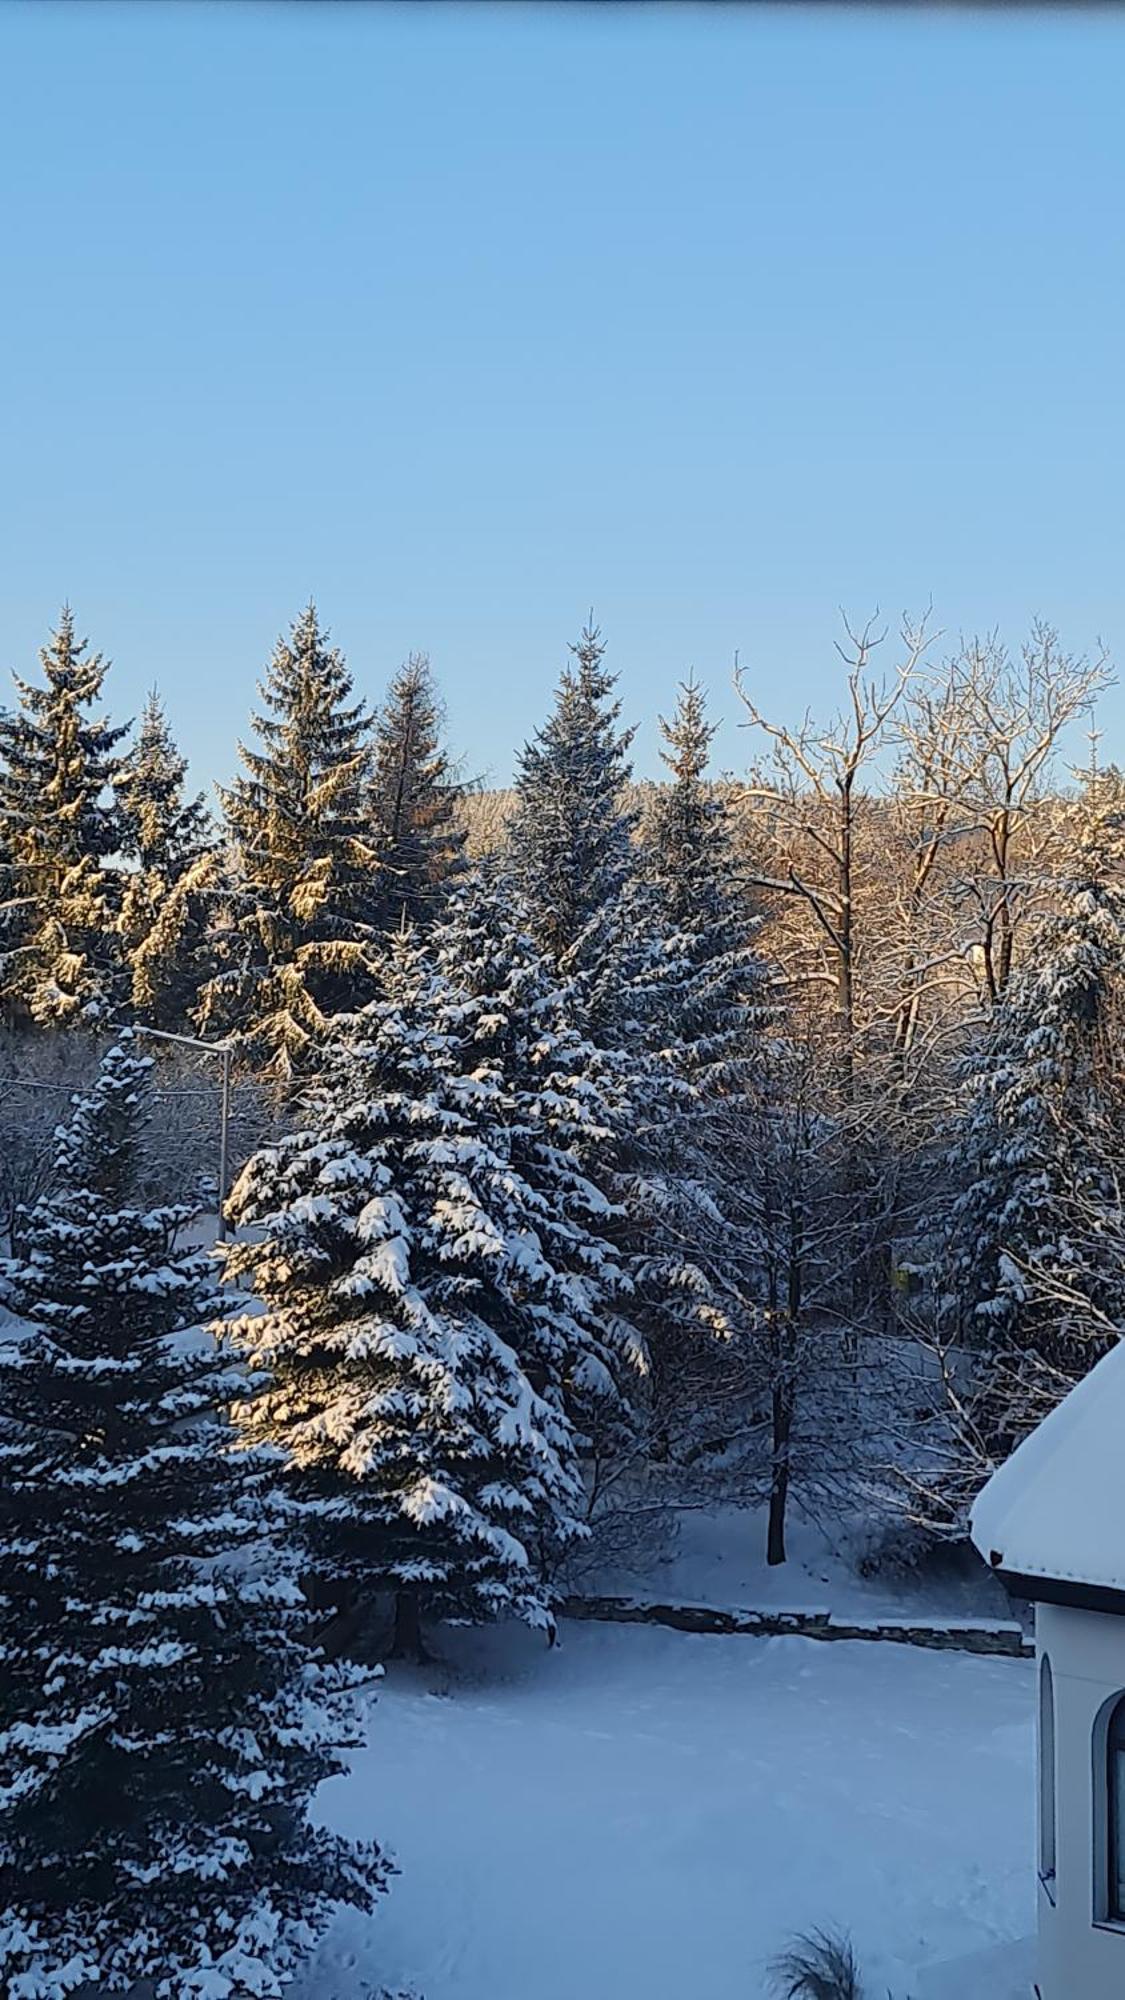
{"x":982,"y":754}
{"x":816,"y":793}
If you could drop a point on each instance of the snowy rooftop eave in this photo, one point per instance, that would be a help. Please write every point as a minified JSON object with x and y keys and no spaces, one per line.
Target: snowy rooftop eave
{"x":1056,"y":1510}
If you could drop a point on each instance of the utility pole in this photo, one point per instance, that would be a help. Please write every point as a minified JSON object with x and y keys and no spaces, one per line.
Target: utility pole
{"x":224,"y":1139}
{"x":226,"y":1051}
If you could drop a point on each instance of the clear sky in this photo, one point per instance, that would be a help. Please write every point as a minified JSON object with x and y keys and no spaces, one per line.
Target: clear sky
{"x":464,"y":319}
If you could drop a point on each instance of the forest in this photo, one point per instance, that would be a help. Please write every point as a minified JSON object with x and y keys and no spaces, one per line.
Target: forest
{"x":600,"y":1151}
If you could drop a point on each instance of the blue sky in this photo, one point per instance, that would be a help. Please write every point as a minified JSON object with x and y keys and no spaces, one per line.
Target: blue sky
{"x":465,"y":319}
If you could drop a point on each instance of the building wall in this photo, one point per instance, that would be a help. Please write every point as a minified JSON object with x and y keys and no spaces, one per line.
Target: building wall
{"x":1081,"y":1955}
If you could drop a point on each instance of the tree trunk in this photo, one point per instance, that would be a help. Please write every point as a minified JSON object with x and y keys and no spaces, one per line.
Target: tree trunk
{"x":845,"y":947}
{"x":786,"y":1338}
{"x":779,"y":1473}
{"x":407,"y":1643}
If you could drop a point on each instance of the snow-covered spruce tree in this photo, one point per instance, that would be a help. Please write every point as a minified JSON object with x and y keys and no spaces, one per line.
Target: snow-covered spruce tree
{"x":689,"y":856}
{"x":604,"y":925}
{"x":570,"y":836}
{"x":58,"y":827}
{"x":163,"y":829}
{"x":395,"y":1250}
{"x":171,"y":941}
{"x":305,"y":859}
{"x":504,"y":1005}
{"x":571,"y":851}
{"x":414,"y":799}
{"x":162,"y":1725}
{"x":1028,"y":1276}
{"x":698,"y":1187}
{"x":165,"y":908}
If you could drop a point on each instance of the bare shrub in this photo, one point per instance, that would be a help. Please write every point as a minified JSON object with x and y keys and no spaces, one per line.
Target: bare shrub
{"x":818,"y":1966}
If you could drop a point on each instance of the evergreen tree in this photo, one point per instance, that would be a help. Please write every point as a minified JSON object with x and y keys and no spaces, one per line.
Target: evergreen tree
{"x":566,"y":1105}
{"x":414,"y":799}
{"x":696,"y":1159}
{"x":174,"y":957}
{"x":305,"y":859}
{"x":607,"y":922}
{"x":58,"y":828}
{"x":572,"y":854}
{"x":163,"y":831}
{"x":571,"y":832}
{"x":166,"y":902}
{"x":397,"y":1254}
{"x":1028,"y":1273}
{"x":162,"y":1726}
{"x":714,"y":994}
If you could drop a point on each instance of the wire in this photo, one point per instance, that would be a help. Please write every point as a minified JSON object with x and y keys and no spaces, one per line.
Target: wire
{"x":72,"y":1090}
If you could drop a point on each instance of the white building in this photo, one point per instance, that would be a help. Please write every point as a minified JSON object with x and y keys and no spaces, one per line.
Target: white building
{"x":1052,"y":1524}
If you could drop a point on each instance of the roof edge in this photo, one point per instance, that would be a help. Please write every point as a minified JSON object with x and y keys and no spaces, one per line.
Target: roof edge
{"x":1063,"y":1590}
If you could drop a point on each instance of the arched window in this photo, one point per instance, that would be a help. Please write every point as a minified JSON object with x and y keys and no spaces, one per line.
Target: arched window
{"x":1046,"y":1772}
{"x":1115,"y":1813}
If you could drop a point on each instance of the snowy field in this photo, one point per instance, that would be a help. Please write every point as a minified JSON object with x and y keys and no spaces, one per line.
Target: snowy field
{"x":646,"y":1815}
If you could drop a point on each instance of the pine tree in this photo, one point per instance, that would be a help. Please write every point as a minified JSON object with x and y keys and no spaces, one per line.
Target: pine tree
{"x":414,"y":799}
{"x":305,"y":858}
{"x":1028,"y":1271}
{"x":571,"y":833}
{"x":162,"y":1726}
{"x":57,"y":829}
{"x":396,"y":1253}
{"x":166,"y":904}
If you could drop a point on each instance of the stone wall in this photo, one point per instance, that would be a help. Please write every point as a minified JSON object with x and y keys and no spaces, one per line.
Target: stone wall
{"x":968,"y":1635}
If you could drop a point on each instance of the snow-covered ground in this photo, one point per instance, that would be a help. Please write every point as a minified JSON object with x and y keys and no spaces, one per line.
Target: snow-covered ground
{"x":718,"y":1557}
{"x":645,"y":1815}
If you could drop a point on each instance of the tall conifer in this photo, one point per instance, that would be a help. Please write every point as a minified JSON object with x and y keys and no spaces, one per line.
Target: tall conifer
{"x":58,"y":829}
{"x":305,"y":858}
{"x":571,"y":832}
{"x":162,"y":1725}
{"x":414,"y":799}
{"x":693,"y":1157}
{"x":566,"y":1104}
{"x":715,"y":994}
{"x":163,"y":828}
{"x":1028,"y":1274}
{"x":166,"y":902}
{"x":396,"y":1249}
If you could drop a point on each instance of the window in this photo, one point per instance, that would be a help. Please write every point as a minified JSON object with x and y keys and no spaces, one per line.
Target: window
{"x":1115,"y":1813}
{"x":1047,"y":1770}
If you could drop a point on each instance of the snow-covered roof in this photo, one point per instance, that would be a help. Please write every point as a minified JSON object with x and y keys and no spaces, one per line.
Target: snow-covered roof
{"x":1056,"y":1510}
